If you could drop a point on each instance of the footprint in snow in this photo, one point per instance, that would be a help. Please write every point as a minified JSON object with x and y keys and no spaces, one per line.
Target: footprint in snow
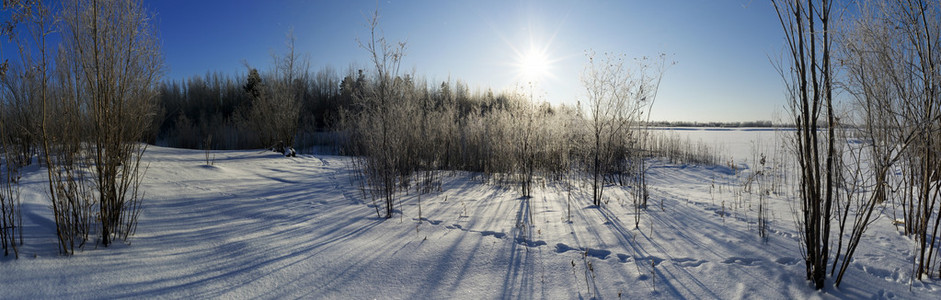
{"x":882,"y":294}
{"x":495,"y":234}
{"x":653,"y":260}
{"x":888,"y":275}
{"x":688,"y":262}
{"x":562,"y":248}
{"x":432,"y":222}
{"x":623,"y":258}
{"x":529,"y":243}
{"x":596,"y":253}
{"x":788,"y":261}
{"x":742,"y":261}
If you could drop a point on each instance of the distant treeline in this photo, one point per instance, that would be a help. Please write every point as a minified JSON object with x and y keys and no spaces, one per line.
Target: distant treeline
{"x":219,"y":106}
{"x":760,"y":124}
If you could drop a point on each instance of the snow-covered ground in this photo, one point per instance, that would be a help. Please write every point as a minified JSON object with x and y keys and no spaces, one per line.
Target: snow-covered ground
{"x":258,"y":225}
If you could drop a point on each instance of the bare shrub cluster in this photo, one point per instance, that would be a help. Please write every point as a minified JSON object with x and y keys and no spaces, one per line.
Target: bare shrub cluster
{"x":883,"y":149}
{"x":893,"y":56}
{"x":11,"y":221}
{"x":617,"y":99}
{"x":83,"y":92}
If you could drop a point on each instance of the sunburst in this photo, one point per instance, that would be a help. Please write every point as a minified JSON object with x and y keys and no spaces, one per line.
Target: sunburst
{"x":534,"y":65}
{"x":533,"y":59}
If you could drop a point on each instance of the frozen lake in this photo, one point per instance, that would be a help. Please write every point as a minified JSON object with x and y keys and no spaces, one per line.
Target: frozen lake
{"x":741,"y":145}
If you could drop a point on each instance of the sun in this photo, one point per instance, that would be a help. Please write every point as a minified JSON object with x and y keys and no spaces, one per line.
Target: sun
{"x":532,"y":60}
{"x":534,"y":65}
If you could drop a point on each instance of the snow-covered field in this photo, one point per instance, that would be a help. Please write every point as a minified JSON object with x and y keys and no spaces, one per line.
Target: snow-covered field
{"x":258,"y":225}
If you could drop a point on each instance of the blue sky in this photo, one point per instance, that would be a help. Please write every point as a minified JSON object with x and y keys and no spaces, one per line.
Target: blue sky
{"x":722,"y":48}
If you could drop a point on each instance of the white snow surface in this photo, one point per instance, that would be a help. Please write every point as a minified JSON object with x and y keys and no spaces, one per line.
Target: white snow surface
{"x":260,"y":225}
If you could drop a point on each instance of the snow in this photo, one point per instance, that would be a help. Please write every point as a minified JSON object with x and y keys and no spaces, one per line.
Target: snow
{"x":257,"y":224}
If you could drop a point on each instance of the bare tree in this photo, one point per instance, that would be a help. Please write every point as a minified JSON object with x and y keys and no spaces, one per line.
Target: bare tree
{"x":11,"y":222}
{"x":873,"y":53}
{"x":919,"y":22}
{"x":35,"y":86}
{"x":11,"y":91}
{"x":890,"y":53}
{"x":116,"y":64}
{"x":808,"y":76}
{"x":526,"y":124}
{"x":381,"y":139}
{"x":275,"y":99}
{"x":616,"y":98}
{"x":22,"y":116}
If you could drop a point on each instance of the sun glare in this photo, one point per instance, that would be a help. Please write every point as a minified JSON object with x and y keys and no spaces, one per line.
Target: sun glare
{"x":534,"y":65}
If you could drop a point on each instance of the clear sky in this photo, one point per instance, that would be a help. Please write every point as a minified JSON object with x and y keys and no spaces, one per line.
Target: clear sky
{"x":723,"y":48}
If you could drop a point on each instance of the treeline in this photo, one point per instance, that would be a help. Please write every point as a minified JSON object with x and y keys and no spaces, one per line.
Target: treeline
{"x":218,"y":105}
{"x":267,"y":109}
{"x":754,"y":124}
